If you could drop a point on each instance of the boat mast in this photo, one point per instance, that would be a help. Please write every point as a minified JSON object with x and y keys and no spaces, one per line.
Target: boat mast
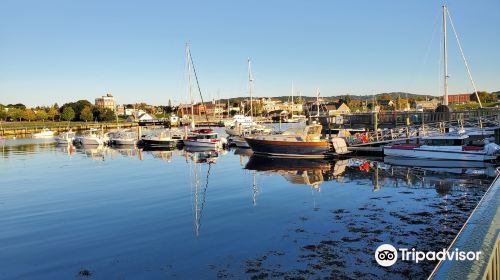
{"x":190,"y":89}
{"x":250,"y":80}
{"x":445,"y":57}
{"x":292,"y":99}
{"x":317,"y":101}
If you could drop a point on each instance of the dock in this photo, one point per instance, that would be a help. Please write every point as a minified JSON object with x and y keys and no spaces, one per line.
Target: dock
{"x":60,"y":127}
{"x":481,"y":232}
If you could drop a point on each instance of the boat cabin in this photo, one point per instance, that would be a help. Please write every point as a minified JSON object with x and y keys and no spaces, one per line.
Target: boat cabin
{"x":446,"y":140}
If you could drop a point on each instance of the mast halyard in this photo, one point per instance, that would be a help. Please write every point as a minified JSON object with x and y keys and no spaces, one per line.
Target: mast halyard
{"x":445,"y":58}
{"x":190,"y":88}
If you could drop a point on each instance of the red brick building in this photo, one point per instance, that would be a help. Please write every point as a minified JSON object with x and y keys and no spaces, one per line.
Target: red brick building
{"x":459,"y":98}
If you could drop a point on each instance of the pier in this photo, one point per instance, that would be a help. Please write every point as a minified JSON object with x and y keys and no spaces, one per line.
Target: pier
{"x":24,"y":129}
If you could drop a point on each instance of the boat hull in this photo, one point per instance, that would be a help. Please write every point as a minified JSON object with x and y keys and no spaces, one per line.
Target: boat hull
{"x":191,"y":143}
{"x":125,"y":141}
{"x":289,"y":148}
{"x":436,"y":154}
{"x":159,"y":143}
{"x":91,"y":141}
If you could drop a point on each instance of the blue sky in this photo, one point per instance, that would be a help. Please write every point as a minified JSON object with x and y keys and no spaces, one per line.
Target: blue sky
{"x":59,"y":51}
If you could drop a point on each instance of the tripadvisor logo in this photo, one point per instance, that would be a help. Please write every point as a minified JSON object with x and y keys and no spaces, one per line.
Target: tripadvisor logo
{"x":386,"y":255}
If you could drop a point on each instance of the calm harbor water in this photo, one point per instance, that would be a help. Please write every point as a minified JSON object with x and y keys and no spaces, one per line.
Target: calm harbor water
{"x":128,"y":214}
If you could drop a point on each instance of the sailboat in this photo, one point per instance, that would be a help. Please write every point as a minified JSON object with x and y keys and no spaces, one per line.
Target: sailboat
{"x":205,"y":137}
{"x":245,"y":125}
{"x":449,"y":146}
{"x":295,"y":118}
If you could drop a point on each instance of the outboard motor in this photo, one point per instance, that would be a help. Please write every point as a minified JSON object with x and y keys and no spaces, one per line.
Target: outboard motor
{"x":492,"y":149}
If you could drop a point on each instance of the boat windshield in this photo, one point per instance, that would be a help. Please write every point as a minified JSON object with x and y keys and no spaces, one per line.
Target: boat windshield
{"x":444,"y":142}
{"x":207,"y":136}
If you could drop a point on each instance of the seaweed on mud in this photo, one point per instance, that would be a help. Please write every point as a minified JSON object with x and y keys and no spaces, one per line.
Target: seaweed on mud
{"x":350,"y":254}
{"x":85,"y":273}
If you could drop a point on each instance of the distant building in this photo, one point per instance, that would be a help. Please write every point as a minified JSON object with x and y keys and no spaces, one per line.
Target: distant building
{"x":387,"y":103}
{"x":214,"y":109}
{"x":107,"y":101}
{"x":459,"y":98}
{"x":185,"y":109}
{"x":426,"y":105}
{"x":271,"y":104}
{"x":138,"y":116}
{"x":120,"y":110}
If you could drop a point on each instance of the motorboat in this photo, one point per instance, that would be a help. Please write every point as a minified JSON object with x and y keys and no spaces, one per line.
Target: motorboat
{"x":297,"y":119}
{"x":205,"y":138}
{"x":93,"y":137}
{"x":161,"y":139}
{"x":124,"y":137}
{"x":45,"y":133}
{"x":446,"y":146}
{"x":239,"y":128}
{"x":244,"y":120}
{"x":294,"y":142}
{"x":66,"y":137}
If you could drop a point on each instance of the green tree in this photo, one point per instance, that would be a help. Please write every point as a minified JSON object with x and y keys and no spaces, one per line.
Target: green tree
{"x":86,"y":114}
{"x":17,"y":106}
{"x":106,"y":115}
{"x":41,"y":115}
{"x":3,"y":114}
{"x":53,"y":113}
{"x":15,"y":114}
{"x":68,"y":114}
{"x":484,"y":96}
{"x":29,"y":115}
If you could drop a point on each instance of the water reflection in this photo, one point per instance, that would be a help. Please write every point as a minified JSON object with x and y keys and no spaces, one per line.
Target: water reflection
{"x":200,"y":164}
{"x":314,"y":172}
{"x":145,"y":209}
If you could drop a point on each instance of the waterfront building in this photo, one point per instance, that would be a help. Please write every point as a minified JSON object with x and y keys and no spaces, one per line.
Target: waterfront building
{"x":214,"y":109}
{"x":459,"y":98}
{"x":106,"y":101}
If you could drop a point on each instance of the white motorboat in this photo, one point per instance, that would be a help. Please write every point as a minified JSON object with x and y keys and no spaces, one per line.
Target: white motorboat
{"x":66,"y":137}
{"x":161,"y":139}
{"x":447,"y":146}
{"x":297,"y":119}
{"x":125,"y":138}
{"x":92,"y":137}
{"x":244,"y":120}
{"x":205,"y":138}
{"x":45,"y":133}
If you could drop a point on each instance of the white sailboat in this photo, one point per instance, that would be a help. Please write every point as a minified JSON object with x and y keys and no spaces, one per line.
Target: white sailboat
{"x":450,"y":146}
{"x":245,"y":125}
{"x":295,"y":118}
{"x":202,"y":138}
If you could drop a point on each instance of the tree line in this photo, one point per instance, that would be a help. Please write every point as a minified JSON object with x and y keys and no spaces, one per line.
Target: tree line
{"x":81,"y":110}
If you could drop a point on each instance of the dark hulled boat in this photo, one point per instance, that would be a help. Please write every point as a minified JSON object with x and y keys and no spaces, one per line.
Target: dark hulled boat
{"x":295,"y":142}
